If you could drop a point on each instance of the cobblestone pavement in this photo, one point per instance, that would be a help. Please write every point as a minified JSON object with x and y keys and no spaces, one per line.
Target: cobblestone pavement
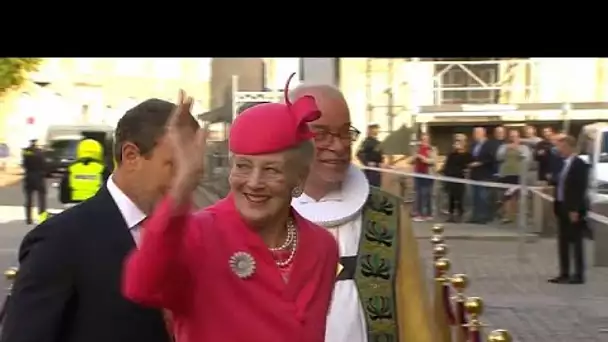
{"x":517,"y":296}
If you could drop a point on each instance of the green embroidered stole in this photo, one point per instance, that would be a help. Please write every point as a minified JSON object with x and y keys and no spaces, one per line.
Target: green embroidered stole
{"x":377,"y":265}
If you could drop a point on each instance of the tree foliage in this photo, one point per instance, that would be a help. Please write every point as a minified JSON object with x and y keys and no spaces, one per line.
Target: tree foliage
{"x":13,"y":71}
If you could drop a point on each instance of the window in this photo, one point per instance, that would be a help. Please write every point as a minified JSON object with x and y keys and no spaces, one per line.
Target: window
{"x":129,"y":66}
{"x":64,"y":148}
{"x":167,"y":67}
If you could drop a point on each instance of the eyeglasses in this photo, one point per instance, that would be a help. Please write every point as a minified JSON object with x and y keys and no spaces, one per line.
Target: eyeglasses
{"x":324,"y":136}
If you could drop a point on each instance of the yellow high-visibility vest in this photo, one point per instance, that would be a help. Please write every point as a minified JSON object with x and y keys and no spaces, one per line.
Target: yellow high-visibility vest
{"x":85,"y":179}
{"x":47,"y":215}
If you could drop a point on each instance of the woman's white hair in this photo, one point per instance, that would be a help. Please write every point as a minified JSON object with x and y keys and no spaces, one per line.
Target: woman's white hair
{"x":302,"y":155}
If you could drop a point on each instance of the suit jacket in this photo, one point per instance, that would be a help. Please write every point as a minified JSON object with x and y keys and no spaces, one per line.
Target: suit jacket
{"x":486,"y":158}
{"x":575,"y":188}
{"x":370,"y":151}
{"x":544,"y":158}
{"x":496,"y":144}
{"x":68,"y":288}
{"x":556,"y":162}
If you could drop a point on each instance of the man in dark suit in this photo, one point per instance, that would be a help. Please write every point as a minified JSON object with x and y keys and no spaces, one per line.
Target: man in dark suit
{"x":556,"y":161}
{"x":370,"y":154}
{"x":34,"y":165}
{"x":571,"y":206}
{"x":68,"y":288}
{"x":481,"y":169}
{"x":543,"y":154}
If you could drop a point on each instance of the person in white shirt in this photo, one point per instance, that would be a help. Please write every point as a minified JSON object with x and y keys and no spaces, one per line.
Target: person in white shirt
{"x":68,"y":287}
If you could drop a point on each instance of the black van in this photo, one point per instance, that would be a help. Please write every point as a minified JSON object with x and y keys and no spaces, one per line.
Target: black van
{"x":62,"y":143}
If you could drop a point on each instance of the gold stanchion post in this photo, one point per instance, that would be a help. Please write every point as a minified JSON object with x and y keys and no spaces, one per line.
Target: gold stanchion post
{"x":474,"y":308}
{"x":439,"y":248}
{"x":500,"y":335}
{"x":439,"y":251}
{"x":437,"y":229}
{"x":442,"y":305}
{"x":10,"y":274}
{"x":436,"y":240}
{"x":460,"y":282}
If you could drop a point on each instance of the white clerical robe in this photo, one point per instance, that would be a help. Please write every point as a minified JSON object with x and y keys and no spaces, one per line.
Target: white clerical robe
{"x":340,"y":213}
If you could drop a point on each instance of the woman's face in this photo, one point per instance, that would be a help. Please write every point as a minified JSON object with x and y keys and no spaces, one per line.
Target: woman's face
{"x":457,"y":145}
{"x":262,"y":185}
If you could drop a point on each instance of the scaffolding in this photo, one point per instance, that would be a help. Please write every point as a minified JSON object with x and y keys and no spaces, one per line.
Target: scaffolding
{"x":495,"y":90}
{"x":418,"y":92}
{"x":381,"y":87}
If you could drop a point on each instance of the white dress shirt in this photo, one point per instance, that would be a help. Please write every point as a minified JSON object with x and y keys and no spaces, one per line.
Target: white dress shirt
{"x":132,"y":215}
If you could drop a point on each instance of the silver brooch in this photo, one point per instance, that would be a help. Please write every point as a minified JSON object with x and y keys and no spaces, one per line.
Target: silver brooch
{"x":242,"y":264}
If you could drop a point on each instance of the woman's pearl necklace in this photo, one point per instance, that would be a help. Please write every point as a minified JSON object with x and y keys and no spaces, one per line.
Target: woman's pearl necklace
{"x":291,"y":233}
{"x":291,"y":242}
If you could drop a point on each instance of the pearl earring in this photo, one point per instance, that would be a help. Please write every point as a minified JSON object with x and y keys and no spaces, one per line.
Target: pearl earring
{"x":296,"y":192}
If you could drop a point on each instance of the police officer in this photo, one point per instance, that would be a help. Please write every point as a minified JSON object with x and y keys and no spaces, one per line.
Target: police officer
{"x":370,"y":154}
{"x":86,"y":175}
{"x":35,"y":167}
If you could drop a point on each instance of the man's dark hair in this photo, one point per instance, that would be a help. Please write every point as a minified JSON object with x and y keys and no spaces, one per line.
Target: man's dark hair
{"x":143,"y":125}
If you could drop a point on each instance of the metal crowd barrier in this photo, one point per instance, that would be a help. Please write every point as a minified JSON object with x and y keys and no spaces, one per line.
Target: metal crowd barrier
{"x":532,"y":206}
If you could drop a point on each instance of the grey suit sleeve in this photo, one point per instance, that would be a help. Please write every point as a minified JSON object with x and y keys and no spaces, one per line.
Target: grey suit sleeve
{"x":526,"y":153}
{"x":42,"y":289}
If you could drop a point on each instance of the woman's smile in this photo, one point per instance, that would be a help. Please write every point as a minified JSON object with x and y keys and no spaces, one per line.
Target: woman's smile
{"x":256,"y":198}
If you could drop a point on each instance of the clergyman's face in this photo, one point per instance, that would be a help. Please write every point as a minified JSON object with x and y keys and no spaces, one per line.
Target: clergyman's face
{"x":333,"y":144}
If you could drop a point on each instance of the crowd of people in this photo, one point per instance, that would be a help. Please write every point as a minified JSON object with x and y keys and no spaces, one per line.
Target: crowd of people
{"x":504,"y":157}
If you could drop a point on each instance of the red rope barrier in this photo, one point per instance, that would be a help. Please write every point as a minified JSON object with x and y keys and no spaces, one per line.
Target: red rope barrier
{"x":462,"y":317}
{"x":475,"y":335}
{"x":447,"y":304}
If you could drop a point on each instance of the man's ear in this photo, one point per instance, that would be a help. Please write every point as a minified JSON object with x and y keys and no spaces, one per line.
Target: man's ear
{"x":129,"y":152}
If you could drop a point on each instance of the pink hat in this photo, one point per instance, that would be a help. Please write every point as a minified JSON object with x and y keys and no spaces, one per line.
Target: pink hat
{"x":273,"y":127}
